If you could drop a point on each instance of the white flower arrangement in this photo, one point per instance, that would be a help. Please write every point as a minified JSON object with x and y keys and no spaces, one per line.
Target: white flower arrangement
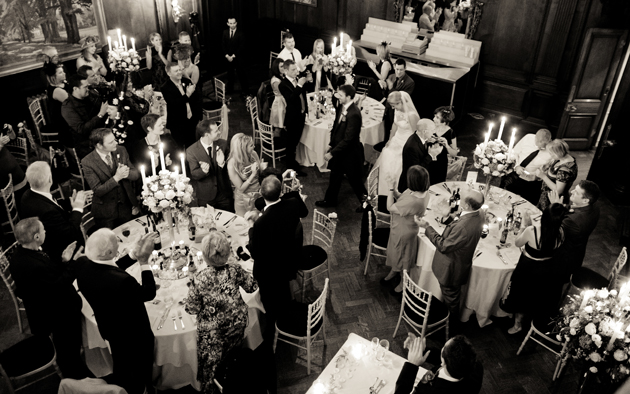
{"x":493,"y":158}
{"x":166,"y":190}
{"x":341,"y":63}
{"x":120,"y":60}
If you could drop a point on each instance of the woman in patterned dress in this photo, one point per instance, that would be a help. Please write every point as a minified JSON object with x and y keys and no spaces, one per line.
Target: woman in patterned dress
{"x":215,"y":298}
{"x":557,"y":175}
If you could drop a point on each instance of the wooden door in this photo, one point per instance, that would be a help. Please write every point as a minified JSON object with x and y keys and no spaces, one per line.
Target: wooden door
{"x":594,"y":75}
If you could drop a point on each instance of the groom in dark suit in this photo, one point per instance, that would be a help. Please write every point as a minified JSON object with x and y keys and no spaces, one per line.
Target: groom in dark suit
{"x":345,"y":154}
{"x":110,"y":174}
{"x":207,"y":160}
{"x":293,"y":92}
{"x":452,"y":261}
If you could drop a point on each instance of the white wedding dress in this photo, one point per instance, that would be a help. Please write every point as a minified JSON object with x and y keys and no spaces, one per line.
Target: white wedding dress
{"x":390,"y":160}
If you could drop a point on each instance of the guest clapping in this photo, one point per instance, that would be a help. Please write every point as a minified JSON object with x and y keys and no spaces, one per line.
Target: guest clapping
{"x":279,"y":105}
{"x":182,"y":55}
{"x":558,"y":174}
{"x":402,"y":247}
{"x":215,"y":298}
{"x":183,"y":105}
{"x":153,"y":125}
{"x":243,"y":169}
{"x":89,"y":57}
{"x":156,"y":60}
{"x":317,"y":65}
{"x":539,"y":263}
{"x":384,"y":68}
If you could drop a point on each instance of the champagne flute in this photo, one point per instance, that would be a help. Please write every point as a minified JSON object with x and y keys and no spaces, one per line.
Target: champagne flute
{"x":375,"y":344}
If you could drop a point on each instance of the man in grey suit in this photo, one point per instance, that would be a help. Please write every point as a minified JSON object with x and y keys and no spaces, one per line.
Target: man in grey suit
{"x":454,"y":250}
{"x":109,"y":172}
{"x":207,"y":159}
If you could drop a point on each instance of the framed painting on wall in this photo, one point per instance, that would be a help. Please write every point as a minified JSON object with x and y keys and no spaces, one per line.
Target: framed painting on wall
{"x":27,"y":28}
{"x":312,"y":3}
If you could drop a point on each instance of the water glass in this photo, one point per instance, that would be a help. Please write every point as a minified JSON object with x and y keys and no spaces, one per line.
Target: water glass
{"x":375,"y":344}
{"x":382,"y":350}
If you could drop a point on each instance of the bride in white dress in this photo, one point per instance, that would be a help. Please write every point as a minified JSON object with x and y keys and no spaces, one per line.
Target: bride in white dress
{"x":405,"y":120}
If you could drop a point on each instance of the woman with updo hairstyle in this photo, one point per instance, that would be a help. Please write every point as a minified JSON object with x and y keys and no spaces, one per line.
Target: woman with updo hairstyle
{"x":215,"y":298}
{"x":402,"y":247}
{"x":243,"y":169}
{"x":279,"y":105}
{"x":155,"y":128}
{"x":88,"y":56}
{"x":57,"y":93}
{"x":156,"y":60}
{"x":443,"y":116}
{"x":383,"y":69}
{"x":182,"y":54}
{"x":558,"y":174}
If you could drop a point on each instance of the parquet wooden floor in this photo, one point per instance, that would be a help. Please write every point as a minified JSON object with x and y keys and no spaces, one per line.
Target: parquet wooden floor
{"x":359,"y":304}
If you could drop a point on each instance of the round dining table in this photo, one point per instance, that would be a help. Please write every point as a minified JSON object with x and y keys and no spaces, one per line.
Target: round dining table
{"x":492,"y":267}
{"x":175,"y":363}
{"x":316,"y":135}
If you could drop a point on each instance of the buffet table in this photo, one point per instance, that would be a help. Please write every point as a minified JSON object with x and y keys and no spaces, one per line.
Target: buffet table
{"x":176,"y":342}
{"x":490,"y":274}
{"x":316,"y":135}
{"x":359,"y":371}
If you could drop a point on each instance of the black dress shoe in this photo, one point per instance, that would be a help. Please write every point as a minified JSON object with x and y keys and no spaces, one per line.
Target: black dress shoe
{"x":324,"y":204}
{"x":396,"y":295}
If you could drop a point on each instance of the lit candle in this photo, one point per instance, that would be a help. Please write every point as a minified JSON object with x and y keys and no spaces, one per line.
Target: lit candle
{"x":133,"y":43}
{"x":511,"y":142}
{"x":587,"y":295}
{"x":181,"y":155}
{"x":617,"y":333}
{"x":501,"y":128}
{"x":181,"y":244}
{"x":119,"y":38}
{"x":488,"y":135}
{"x":163,"y":162}
{"x":144,"y":177}
{"x":116,"y":44}
{"x":109,"y":43}
{"x":152,"y":161}
{"x":125,"y":41}
{"x":198,"y":257}
{"x":175,"y":170}
{"x":334,"y":45}
{"x":349,"y":47}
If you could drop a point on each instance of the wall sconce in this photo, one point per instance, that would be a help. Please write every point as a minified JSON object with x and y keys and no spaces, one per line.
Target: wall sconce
{"x":177,"y":11}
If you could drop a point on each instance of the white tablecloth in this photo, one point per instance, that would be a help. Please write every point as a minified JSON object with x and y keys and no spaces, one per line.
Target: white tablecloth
{"x":367,"y":369}
{"x":175,"y":350}
{"x":489,"y":276}
{"x":316,"y":135}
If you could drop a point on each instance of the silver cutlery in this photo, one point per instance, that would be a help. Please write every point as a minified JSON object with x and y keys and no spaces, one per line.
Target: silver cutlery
{"x":446,"y":187}
{"x":373,"y":387}
{"x":141,"y":222}
{"x":477,"y":254}
{"x":174,"y":323}
{"x":381,"y":385}
{"x":179,"y":313}
{"x":164,"y":316}
{"x":501,"y":257}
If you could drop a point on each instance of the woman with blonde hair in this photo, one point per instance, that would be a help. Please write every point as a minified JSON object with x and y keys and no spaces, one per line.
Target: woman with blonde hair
{"x":317,"y":65}
{"x":156,"y":60}
{"x":558,"y":174}
{"x":88,"y":56}
{"x":215,"y":298}
{"x":243,"y":168}
{"x":384,"y":68}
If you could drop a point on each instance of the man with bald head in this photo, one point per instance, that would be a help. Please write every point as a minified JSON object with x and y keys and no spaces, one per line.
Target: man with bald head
{"x":118,"y":303}
{"x":454,"y":250}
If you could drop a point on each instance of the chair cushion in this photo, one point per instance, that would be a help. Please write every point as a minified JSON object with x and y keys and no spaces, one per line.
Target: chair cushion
{"x":382,"y":204}
{"x":293,"y":320}
{"x":380,"y":236}
{"x":312,"y":256}
{"x":437,"y":312}
{"x":27,"y":355}
{"x":584,"y":278}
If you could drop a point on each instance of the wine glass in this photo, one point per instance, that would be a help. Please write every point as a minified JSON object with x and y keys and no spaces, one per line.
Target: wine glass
{"x":382,"y":349}
{"x":375,"y":344}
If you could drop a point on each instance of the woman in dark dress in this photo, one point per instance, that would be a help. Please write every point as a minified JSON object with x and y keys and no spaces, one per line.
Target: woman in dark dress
{"x":382,"y":70}
{"x":153,"y":125}
{"x":317,"y":66}
{"x":537,"y":266}
{"x":156,"y":60}
{"x":215,"y":298}
{"x":557,"y":175}
{"x":57,"y":92}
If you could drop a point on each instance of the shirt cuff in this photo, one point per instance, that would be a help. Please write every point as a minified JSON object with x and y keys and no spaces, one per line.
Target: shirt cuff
{"x":78,"y":209}
{"x":145,"y":267}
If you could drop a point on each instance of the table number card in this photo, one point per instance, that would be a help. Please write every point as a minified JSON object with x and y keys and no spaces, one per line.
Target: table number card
{"x":471,"y":177}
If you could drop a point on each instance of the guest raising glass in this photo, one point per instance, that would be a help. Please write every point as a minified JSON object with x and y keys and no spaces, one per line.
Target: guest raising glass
{"x":317,"y":65}
{"x":558,"y":174}
{"x":243,"y":169}
{"x":215,"y":298}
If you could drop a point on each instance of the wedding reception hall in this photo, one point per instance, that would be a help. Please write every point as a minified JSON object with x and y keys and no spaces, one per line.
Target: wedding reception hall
{"x":314,"y":196}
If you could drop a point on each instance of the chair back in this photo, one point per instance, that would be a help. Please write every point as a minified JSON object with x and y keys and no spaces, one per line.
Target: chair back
{"x":267,"y":146}
{"x":215,"y":115}
{"x":5,"y":258}
{"x":87,"y":221}
{"x":317,"y":311}
{"x":37,"y":113}
{"x":219,"y":90}
{"x":372,"y":189}
{"x":363,"y":84}
{"x":80,"y":176}
{"x":619,"y":264}
{"x":31,"y":140}
{"x":273,"y":56}
{"x":19,"y":150}
{"x":252,"y":107}
{"x":456,"y":166}
{"x":323,"y":229}
{"x":418,"y":301}
{"x":8,"y":198}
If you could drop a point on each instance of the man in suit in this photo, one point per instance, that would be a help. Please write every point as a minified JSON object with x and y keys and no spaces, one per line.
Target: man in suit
{"x":459,"y":373}
{"x":110,"y":174}
{"x":207,"y":160}
{"x":420,"y":149}
{"x":578,"y":225}
{"x":293,"y":92}
{"x":63,"y":227}
{"x":397,"y":82}
{"x":345,"y":154}
{"x":454,"y":250}
{"x":183,"y":105}
{"x":52,"y":303}
{"x":232,"y":44}
{"x":117,"y":300}
{"x":83,"y":113}
{"x":290,"y":52}
{"x":530,"y":155}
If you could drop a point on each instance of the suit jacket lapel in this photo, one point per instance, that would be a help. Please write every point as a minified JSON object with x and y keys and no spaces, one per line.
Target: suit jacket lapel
{"x":100,"y":163}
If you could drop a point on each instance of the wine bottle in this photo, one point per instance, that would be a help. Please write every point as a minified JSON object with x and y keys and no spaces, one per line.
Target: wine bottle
{"x":517,"y":223}
{"x":504,"y":234}
{"x":457,"y":197}
{"x":453,"y":203}
{"x":192,"y":229}
{"x":509,"y":219}
{"x":157,"y":241}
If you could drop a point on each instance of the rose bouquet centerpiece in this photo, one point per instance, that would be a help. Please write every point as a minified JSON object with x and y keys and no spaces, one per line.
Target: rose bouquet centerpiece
{"x":594,"y":326}
{"x":122,"y":59}
{"x":495,"y":160}
{"x":167,"y":190}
